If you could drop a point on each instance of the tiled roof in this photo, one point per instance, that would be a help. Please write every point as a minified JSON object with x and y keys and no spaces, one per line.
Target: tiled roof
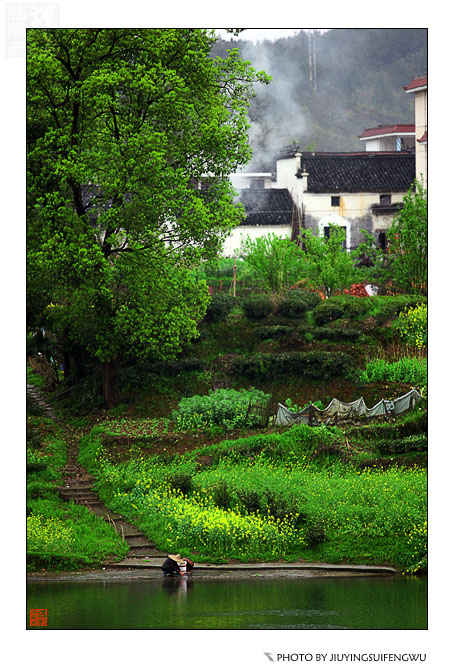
{"x":266,"y":207}
{"x":423,"y":138}
{"x":384,"y":130}
{"x":359,"y":172}
{"x":420,"y":82}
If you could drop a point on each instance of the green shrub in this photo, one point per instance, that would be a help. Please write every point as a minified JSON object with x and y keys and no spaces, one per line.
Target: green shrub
{"x":335,"y":334}
{"x":273,"y":331}
{"x":387,"y":307}
{"x":257,"y":307}
{"x":412,"y":370}
{"x":415,"y":443}
{"x":219,"y":307}
{"x":221,"y":495}
{"x":412,"y":325}
{"x":227,"y":408}
{"x":326,"y":312}
{"x":293,"y":304}
{"x":182,"y":481}
{"x":310,"y":365}
{"x":354,"y":307}
{"x":175,"y":367}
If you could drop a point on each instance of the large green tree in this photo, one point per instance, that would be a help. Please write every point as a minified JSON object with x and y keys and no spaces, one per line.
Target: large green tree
{"x":131,"y":136}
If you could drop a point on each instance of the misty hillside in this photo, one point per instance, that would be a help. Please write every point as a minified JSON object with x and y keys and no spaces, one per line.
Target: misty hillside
{"x":358,"y":83}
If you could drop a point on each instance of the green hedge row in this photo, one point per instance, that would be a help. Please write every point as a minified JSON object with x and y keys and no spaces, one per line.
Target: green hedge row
{"x":310,"y":365}
{"x":415,"y":443}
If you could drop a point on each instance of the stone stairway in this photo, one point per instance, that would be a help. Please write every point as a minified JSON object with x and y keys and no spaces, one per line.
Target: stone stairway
{"x":77,"y":486}
{"x":142,"y":551}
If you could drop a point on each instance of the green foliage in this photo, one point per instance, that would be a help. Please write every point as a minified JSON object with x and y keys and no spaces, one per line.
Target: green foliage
{"x":327,"y":264}
{"x":67,"y":536}
{"x":412,"y":326}
{"x":257,"y":307}
{"x":274,"y":260}
{"x":122,"y":124}
{"x":219,"y":307}
{"x":327,"y":312}
{"x":408,"y":248}
{"x":354,"y":307}
{"x":415,"y":443}
{"x":294,"y":304}
{"x":335,"y":334}
{"x":412,"y":370}
{"x":387,"y":307}
{"x":312,"y":365}
{"x":263,"y":499}
{"x":226,"y":408}
{"x":273,"y":331}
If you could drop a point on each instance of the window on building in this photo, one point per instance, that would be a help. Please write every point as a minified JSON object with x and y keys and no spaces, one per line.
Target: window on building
{"x":257,"y":184}
{"x":385,"y":199}
{"x":335,"y":201}
{"x":382,"y":240}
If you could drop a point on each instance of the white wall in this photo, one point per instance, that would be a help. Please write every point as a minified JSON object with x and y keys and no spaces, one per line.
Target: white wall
{"x":233,"y":243}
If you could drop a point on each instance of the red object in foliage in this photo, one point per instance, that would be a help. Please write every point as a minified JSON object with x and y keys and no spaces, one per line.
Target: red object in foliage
{"x":358,"y":290}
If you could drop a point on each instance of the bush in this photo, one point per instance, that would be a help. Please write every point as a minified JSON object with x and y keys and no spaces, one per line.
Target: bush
{"x":412,"y":326}
{"x":354,"y":307}
{"x":388,"y":307}
{"x":335,"y":334}
{"x":326,"y":312}
{"x":415,"y":443}
{"x":412,"y":370}
{"x":257,"y":307}
{"x":219,"y":307}
{"x":175,"y":367}
{"x":227,"y":408}
{"x":273,"y":331}
{"x":294,"y":304}
{"x":311,"y":365}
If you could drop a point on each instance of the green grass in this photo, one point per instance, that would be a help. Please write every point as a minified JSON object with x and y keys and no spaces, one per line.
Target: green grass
{"x":60,"y":535}
{"x":269,"y":497}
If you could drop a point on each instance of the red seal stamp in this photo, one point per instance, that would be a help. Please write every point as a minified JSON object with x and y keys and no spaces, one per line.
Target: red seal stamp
{"x":38,"y":617}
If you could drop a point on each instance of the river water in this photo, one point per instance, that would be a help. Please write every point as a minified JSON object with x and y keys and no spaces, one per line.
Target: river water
{"x":328,"y":603}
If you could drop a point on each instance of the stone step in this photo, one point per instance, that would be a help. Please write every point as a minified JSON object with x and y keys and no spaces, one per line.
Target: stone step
{"x":104,"y":513}
{"x":76,"y":489}
{"x":80,"y":496}
{"x":146,"y":552}
{"x":139,"y":542}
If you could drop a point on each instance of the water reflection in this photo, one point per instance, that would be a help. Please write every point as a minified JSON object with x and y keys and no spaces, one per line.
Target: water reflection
{"x":193,"y":603}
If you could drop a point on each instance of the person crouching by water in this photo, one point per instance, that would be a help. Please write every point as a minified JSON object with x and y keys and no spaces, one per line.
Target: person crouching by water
{"x":175,"y":565}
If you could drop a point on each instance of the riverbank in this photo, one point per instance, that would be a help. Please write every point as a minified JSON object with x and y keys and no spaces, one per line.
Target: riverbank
{"x":206,"y":572}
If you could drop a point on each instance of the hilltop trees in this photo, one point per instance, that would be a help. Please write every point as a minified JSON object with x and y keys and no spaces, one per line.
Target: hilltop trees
{"x":123,"y":125}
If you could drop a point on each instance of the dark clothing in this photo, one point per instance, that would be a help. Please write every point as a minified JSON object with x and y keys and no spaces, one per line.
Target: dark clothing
{"x":189,"y":564}
{"x":170,"y":567}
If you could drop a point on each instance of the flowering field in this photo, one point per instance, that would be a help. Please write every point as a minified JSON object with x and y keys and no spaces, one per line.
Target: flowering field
{"x":258,"y":508}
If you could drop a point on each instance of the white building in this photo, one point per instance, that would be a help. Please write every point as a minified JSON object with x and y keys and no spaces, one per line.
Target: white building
{"x":389,"y":138}
{"x":418,"y":87}
{"x":360,"y":190}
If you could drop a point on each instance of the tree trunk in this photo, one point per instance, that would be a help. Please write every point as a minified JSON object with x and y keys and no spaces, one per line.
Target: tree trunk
{"x":109,"y":383}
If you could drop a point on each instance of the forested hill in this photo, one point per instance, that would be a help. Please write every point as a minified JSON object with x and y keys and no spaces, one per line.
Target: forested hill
{"x":360,"y":74}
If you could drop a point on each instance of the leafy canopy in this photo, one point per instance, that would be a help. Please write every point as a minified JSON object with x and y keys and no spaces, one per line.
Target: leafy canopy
{"x":123,"y":126}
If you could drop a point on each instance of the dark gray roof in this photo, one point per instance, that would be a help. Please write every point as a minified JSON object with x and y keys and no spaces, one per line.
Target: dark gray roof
{"x":378,"y":172}
{"x":266,"y":207}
